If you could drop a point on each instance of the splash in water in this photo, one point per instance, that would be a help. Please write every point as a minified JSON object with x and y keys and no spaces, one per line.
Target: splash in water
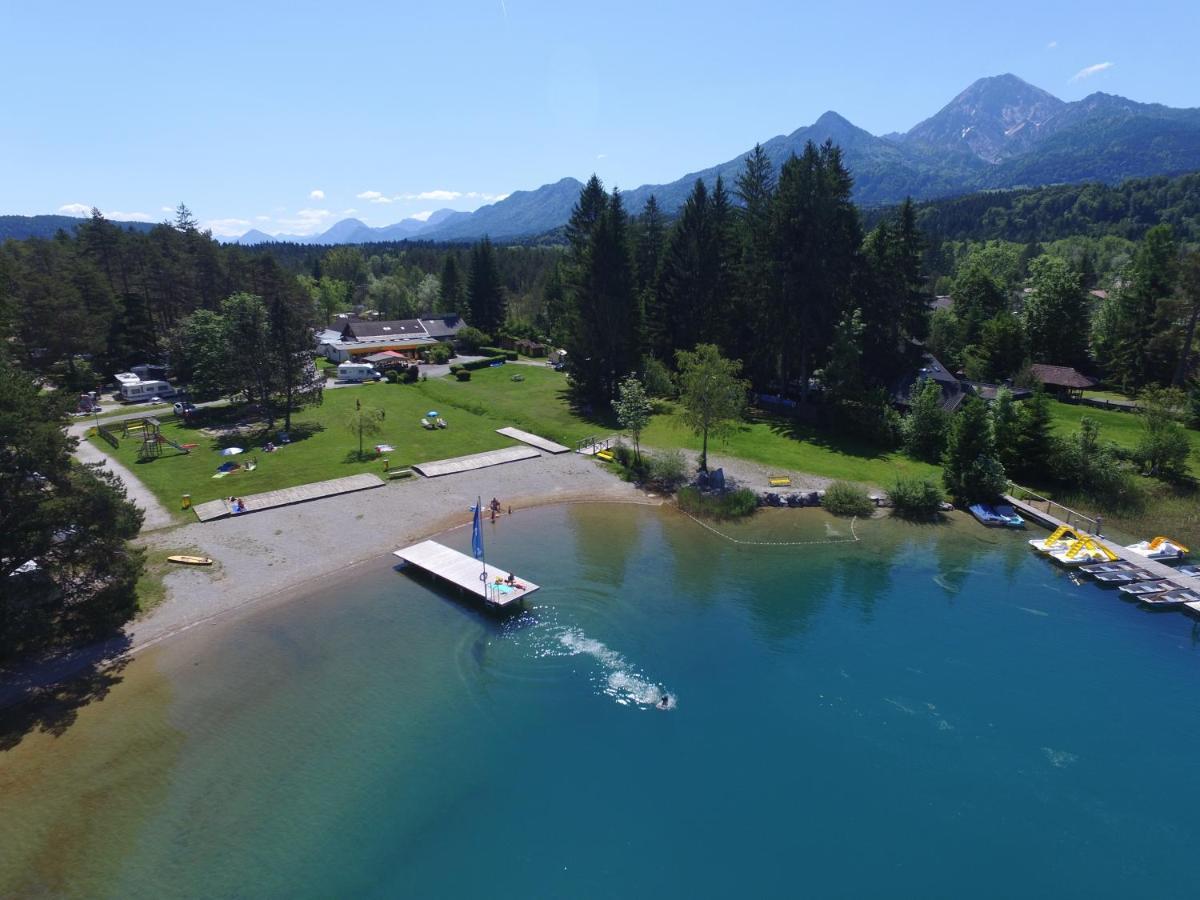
{"x":615,"y":676}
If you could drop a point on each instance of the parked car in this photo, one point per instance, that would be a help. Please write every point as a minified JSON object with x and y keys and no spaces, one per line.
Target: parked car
{"x":184,"y":409}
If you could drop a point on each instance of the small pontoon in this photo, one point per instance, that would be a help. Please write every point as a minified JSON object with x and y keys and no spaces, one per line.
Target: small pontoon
{"x":996,"y":516}
{"x":1106,"y":568}
{"x":1145,"y":588}
{"x":1190,"y":571}
{"x":1125,"y":576}
{"x":1170,"y":599}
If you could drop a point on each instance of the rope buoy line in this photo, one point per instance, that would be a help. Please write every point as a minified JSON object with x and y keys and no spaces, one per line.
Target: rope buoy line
{"x":853,"y":539}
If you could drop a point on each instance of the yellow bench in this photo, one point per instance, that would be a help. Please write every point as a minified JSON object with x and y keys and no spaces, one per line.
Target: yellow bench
{"x":606,"y":455}
{"x":780,"y":481}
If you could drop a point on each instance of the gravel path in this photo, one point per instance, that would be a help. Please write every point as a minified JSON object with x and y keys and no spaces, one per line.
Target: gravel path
{"x":155,"y":514}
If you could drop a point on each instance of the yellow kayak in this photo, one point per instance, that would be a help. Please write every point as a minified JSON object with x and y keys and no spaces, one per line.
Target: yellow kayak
{"x":190,"y":560}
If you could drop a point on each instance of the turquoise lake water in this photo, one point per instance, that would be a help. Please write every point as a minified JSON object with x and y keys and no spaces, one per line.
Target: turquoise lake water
{"x":928,"y":712}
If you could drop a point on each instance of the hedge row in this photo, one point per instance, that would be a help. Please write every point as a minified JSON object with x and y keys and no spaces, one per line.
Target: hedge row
{"x":475,"y":364}
{"x":510,"y":355}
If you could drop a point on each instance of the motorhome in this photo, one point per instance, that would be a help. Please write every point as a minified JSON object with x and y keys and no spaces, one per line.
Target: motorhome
{"x":135,"y":392}
{"x":353,"y":371}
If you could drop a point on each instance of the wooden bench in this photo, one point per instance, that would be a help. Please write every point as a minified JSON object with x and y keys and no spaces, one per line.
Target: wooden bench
{"x":780,"y":481}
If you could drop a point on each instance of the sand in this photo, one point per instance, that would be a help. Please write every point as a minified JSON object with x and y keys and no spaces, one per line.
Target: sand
{"x":273,"y":555}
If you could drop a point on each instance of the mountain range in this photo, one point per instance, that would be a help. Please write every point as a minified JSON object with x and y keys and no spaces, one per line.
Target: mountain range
{"x":1001,"y":132}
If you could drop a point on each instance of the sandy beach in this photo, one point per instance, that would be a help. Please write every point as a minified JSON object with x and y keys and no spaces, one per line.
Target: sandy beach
{"x":273,"y":555}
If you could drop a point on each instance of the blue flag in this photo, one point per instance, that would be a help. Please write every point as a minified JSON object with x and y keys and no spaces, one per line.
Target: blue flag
{"x":477,"y":533}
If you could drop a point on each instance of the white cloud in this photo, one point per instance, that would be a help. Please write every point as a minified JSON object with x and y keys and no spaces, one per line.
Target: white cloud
{"x":305,"y":221}
{"x":166,"y":209}
{"x":226,"y":227}
{"x":262,"y":218}
{"x":495,"y":198}
{"x":422,"y":216}
{"x":349,"y":212}
{"x":316,"y":194}
{"x":1052,"y":45}
{"x":118,"y":216}
{"x":373,"y":197}
{"x":75,"y":209}
{"x":601,"y":155}
{"x":1091,"y":70}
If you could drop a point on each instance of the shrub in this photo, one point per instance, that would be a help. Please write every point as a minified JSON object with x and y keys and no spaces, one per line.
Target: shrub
{"x":916,"y":497}
{"x":462,"y":375}
{"x":392,"y":375}
{"x":667,"y":470}
{"x":440,"y":354}
{"x":735,"y":504}
{"x":481,"y":363}
{"x":845,"y":499}
{"x":472,"y":338}
{"x":410,"y":375}
{"x":657,"y":378}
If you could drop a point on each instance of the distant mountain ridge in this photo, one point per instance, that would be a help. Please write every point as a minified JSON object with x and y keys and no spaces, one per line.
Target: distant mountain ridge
{"x":21,"y":227}
{"x":1001,"y":132}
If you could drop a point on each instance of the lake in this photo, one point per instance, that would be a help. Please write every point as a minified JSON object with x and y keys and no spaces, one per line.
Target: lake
{"x":923,"y":711}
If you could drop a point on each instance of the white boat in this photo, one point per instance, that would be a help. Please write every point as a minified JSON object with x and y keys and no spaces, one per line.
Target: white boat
{"x":1085,"y":555}
{"x":1159,"y":548}
{"x":1061,"y":538}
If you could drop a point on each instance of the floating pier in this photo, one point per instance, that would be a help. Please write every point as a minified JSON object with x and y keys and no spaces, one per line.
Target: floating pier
{"x":464,"y":572}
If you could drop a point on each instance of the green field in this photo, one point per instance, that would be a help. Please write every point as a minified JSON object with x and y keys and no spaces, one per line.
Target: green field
{"x":792,"y":447}
{"x":1122,"y":428}
{"x":323,"y":448}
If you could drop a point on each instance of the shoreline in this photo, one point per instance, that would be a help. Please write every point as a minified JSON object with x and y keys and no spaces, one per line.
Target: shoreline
{"x":277,"y":556}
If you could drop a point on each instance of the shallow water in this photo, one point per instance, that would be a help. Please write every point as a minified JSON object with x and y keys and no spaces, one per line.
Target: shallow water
{"x":929,"y":711}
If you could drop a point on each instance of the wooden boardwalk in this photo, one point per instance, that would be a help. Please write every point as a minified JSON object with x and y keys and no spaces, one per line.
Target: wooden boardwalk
{"x":533,"y":440}
{"x":474,"y":461}
{"x":221,"y":509}
{"x":463,"y":571}
{"x":1154,"y":567}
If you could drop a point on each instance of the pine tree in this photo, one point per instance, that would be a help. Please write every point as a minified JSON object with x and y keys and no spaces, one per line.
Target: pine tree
{"x":970,"y":469}
{"x":755,"y":281}
{"x":1034,"y":442}
{"x":485,"y":293}
{"x":1150,"y":278}
{"x":817,"y":236}
{"x":453,"y":292}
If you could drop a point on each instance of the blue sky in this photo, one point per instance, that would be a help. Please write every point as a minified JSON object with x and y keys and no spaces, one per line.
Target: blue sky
{"x":290,"y":116}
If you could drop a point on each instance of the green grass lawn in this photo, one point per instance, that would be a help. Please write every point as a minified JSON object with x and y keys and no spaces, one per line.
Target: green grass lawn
{"x":1108,"y":395}
{"x":322,"y":447}
{"x":790,"y":446}
{"x":538,"y":403}
{"x":1122,"y":428}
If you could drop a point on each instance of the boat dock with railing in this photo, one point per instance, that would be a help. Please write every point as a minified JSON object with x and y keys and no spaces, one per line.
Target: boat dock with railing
{"x":1045,"y":515}
{"x":494,"y":586}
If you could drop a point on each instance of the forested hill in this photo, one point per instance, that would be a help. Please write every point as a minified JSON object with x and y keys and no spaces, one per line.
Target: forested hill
{"x":22,"y":227}
{"x":1126,"y":210}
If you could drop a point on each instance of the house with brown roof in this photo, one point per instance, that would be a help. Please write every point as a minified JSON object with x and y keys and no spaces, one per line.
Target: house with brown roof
{"x":1062,"y":381}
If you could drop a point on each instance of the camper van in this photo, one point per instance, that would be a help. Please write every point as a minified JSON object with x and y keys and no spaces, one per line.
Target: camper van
{"x":353,"y":371}
{"x":137,"y":392}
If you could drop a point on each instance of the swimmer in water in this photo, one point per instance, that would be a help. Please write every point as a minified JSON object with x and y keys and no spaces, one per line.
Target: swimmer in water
{"x":665,"y":702}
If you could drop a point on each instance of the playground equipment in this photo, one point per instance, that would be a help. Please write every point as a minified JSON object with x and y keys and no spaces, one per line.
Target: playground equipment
{"x":152,"y":438}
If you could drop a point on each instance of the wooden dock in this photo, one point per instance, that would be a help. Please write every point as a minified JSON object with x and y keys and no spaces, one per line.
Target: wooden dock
{"x":474,"y":461}
{"x":533,"y":440}
{"x":464,"y":572}
{"x":1154,"y":567}
{"x":221,"y":509}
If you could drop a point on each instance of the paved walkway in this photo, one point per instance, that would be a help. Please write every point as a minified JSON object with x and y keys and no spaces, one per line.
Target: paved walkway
{"x":533,"y":440}
{"x":155,"y":515}
{"x":301,"y":493}
{"x":474,"y":461}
